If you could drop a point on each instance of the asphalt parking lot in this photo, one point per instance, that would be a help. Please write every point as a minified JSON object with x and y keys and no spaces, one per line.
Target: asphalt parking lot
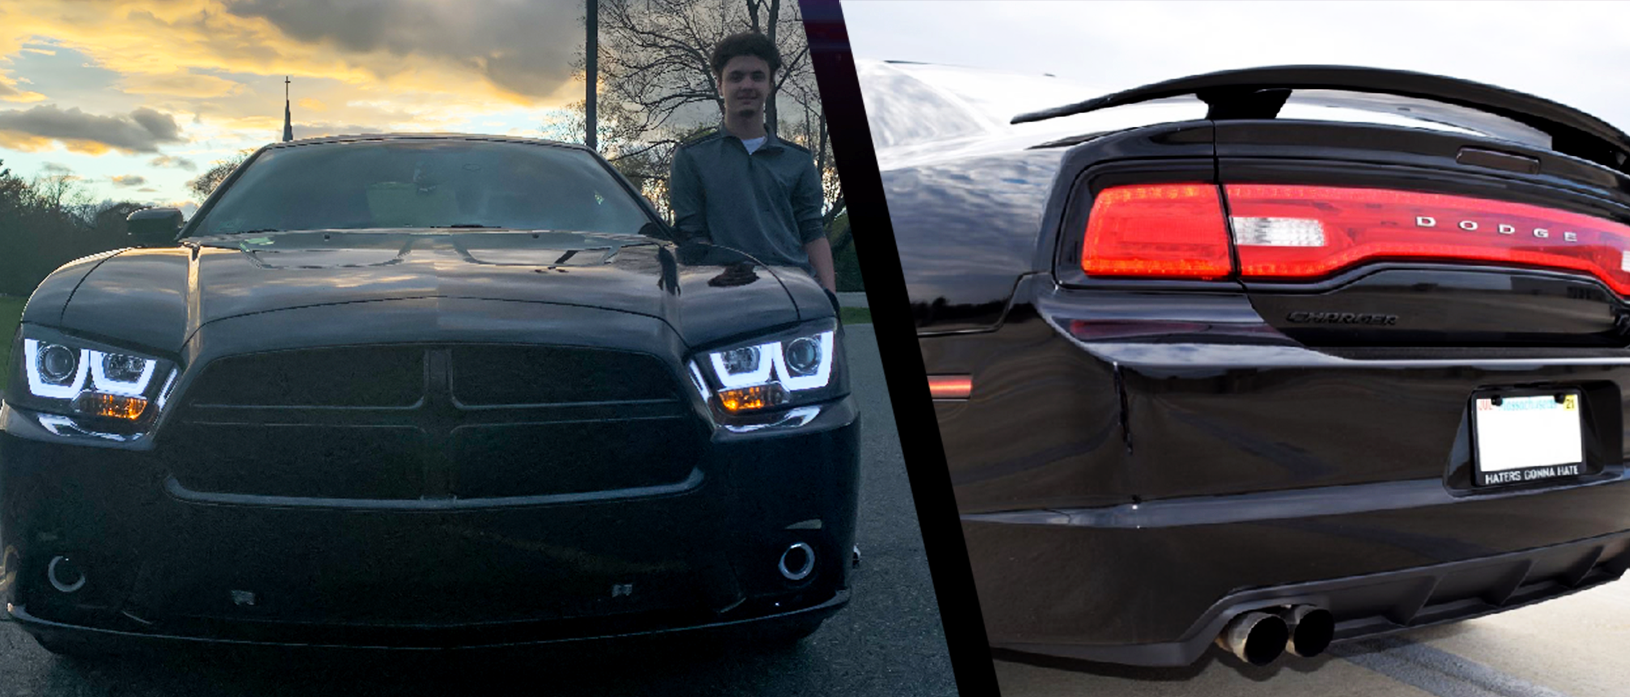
{"x":1578,"y":646}
{"x":887,"y":642}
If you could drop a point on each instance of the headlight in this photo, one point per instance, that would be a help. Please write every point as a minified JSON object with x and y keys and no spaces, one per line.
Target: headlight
{"x":784,"y":370}
{"x":85,"y":388}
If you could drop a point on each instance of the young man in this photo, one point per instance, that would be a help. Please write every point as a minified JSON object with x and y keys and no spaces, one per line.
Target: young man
{"x":742,"y":187}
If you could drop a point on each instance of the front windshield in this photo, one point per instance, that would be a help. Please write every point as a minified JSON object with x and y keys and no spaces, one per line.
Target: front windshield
{"x":424,"y":183}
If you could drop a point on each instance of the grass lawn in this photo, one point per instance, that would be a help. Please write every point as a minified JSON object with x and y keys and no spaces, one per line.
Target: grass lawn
{"x":11,"y":309}
{"x":852,"y":315}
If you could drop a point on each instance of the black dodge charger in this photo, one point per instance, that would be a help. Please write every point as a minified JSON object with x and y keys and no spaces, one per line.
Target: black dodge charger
{"x":1266,"y":358}
{"x":422,"y":392}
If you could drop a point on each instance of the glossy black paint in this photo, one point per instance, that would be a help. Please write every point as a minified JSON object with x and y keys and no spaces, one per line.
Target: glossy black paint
{"x":433,"y":505}
{"x":1140,"y":461}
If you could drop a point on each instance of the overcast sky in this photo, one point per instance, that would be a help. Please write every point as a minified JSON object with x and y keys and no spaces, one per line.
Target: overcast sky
{"x":1574,"y":53}
{"x":135,"y":97}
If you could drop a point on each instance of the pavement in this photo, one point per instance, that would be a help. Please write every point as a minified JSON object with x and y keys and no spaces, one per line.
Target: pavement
{"x":852,"y":299}
{"x":1575,"y":646}
{"x":887,"y":642}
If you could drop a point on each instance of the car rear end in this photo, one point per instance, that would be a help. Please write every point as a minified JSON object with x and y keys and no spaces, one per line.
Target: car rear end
{"x":1264,"y":364}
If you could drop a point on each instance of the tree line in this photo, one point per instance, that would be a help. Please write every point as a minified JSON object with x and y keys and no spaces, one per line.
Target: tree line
{"x":48,"y":221}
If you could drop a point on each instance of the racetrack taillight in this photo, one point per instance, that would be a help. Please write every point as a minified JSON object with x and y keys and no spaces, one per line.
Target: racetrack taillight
{"x":1303,"y":232}
{"x":1157,"y":231}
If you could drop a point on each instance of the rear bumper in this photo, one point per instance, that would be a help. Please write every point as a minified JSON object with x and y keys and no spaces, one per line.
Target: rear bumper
{"x":1056,"y":584}
{"x":169,"y":563}
{"x":1122,"y":499}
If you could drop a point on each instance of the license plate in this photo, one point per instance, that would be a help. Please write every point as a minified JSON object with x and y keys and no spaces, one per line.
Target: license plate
{"x":1528,"y":437}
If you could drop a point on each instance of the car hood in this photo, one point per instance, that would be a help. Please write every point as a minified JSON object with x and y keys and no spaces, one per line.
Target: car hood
{"x":159,"y":297}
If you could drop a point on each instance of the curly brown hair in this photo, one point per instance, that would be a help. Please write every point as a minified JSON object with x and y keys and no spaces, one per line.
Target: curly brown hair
{"x":747,"y":43}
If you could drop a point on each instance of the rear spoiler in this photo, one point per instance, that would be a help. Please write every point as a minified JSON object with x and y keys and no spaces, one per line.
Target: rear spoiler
{"x":1258,"y":93}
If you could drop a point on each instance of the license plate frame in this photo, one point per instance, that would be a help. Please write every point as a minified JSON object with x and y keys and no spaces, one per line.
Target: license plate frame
{"x":1518,"y":437}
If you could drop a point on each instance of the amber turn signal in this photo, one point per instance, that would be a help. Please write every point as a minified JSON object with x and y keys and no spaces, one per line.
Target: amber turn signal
{"x":752,"y":398}
{"x":110,"y":405}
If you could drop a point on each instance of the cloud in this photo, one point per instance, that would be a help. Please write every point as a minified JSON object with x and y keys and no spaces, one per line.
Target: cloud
{"x":140,"y":131}
{"x":189,"y":85}
{"x":128,"y":180}
{"x":52,"y":169}
{"x":315,"y":130}
{"x":147,"y":190}
{"x":9,"y":93}
{"x":176,"y":162}
{"x":527,"y":48}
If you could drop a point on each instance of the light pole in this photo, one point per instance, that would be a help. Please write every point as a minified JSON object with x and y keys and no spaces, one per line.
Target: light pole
{"x":592,"y":67}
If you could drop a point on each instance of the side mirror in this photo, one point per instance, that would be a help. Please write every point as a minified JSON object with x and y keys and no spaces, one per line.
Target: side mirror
{"x":660,"y":231}
{"x":154,"y":227}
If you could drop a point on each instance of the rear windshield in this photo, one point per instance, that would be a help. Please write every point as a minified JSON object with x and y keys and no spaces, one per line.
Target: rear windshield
{"x":424,"y":184}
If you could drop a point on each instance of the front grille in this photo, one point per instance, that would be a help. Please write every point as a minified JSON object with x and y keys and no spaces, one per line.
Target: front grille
{"x":499,"y":375}
{"x":412,"y":422}
{"x":372,"y":376}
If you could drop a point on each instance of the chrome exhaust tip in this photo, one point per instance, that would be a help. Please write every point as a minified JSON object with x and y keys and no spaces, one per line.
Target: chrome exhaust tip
{"x":1311,"y":630}
{"x":1255,"y":637}
{"x":64,"y":574}
{"x":798,"y":562}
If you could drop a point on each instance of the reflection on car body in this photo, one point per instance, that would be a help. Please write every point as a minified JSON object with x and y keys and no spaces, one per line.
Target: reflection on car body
{"x":1205,"y":378}
{"x":424,"y":391}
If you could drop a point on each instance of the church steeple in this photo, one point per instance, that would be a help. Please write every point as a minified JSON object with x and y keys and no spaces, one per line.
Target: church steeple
{"x":288,"y":128}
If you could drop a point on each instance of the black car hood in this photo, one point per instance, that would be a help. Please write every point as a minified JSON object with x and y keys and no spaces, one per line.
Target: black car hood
{"x":159,"y":297}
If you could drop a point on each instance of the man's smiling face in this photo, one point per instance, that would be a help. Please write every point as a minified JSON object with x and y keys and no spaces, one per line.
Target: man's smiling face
{"x":744,"y":83}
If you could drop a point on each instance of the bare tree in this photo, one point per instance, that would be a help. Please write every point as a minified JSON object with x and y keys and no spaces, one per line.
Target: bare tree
{"x":655,"y":62}
{"x":657,"y":89}
{"x":204,"y":184}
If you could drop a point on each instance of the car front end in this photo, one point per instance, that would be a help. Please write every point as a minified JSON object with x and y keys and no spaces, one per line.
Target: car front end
{"x":425,"y":439}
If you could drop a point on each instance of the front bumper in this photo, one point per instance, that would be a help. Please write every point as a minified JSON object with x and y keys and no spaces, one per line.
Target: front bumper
{"x":167,"y":563}
{"x":440,"y":638}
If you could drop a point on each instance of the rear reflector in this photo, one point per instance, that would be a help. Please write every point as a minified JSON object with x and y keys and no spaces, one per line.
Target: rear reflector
{"x":950,"y":386}
{"x":1306,"y":232}
{"x":1360,"y":225}
{"x":1157,"y":230}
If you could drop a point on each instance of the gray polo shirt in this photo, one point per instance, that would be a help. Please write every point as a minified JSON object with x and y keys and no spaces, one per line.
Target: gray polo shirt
{"x":767,"y":203}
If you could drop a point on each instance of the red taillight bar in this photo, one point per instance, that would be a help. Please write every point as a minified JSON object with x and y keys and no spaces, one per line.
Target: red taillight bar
{"x":1157,"y":230}
{"x":1360,"y":225}
{"x":1283,"y":232}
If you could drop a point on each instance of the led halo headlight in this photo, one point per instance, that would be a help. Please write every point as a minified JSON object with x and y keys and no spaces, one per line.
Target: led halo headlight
{"x":66,"y":379}
{"x":786,"y":369}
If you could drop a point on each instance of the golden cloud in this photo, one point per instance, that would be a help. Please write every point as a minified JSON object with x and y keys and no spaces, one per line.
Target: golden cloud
{"x":196,"y":49}
{"x":23,"y":142}
{"x":181,"y":85}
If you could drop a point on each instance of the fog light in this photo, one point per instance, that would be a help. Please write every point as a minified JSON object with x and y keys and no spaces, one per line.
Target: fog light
{"x":752,"y":398}
{"x":64,"y":574}
{"x":110,"y":405}
{"x":797,"y":562}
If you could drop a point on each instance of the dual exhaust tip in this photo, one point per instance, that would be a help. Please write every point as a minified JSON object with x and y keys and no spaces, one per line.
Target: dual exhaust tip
{"x":1260,"y":637}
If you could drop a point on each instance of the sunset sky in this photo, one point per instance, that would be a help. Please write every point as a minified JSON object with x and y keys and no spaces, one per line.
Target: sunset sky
{"x":136,"y":98}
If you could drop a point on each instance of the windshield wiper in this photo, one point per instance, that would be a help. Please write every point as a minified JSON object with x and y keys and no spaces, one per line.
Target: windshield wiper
{"x":468,"y":225}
